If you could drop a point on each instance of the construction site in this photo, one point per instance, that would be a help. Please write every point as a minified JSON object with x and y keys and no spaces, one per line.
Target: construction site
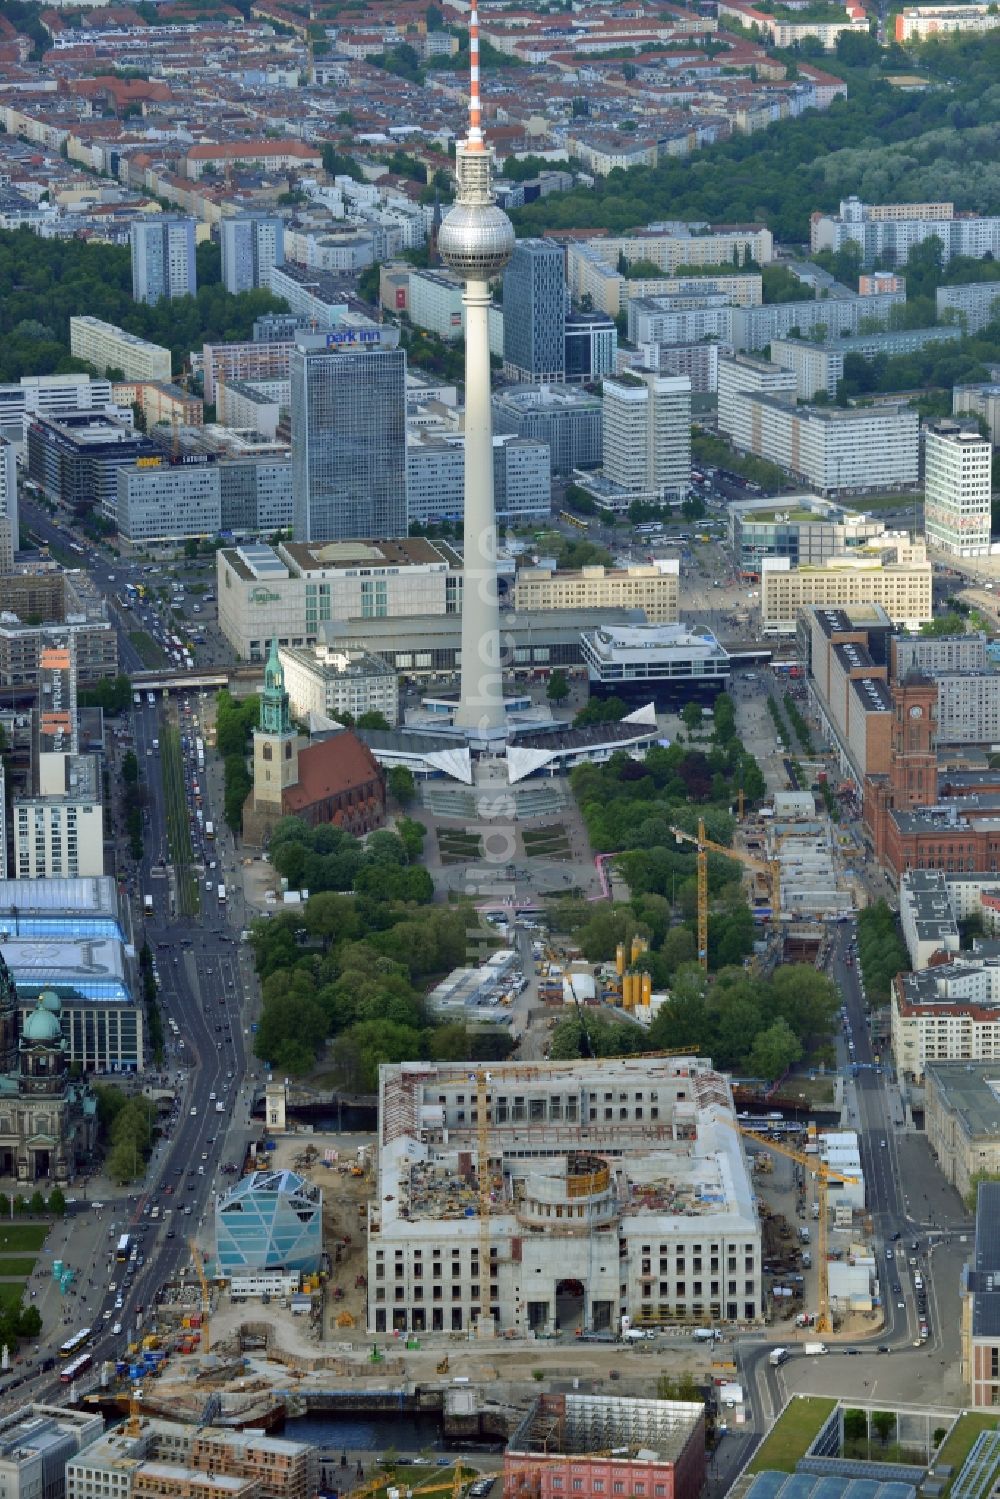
{"x":566,"y":1181}
{"x":601,"y":1444}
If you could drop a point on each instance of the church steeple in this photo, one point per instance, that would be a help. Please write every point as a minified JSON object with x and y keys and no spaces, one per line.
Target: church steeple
{"x":275,"y":717}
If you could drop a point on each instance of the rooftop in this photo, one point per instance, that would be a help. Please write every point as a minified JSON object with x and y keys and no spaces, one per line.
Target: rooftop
{"x":872,"y":694}
{"x":680,"y":637}
{"x":971,"y":1091}
{"x":98,"y":325}
{"x":696,"y":1169}
{"x":983,"y":1275}
{"x":633,"y":1429}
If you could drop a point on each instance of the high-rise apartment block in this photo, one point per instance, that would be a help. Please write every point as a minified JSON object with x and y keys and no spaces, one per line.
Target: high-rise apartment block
{"x":835,"y":450}
{"x":647,"y":434}
{"x":958,"y":489}
{"x":108,"y":347}
{"x":893,"y":229}
{"x":163,"y":258}
{"x":251,"y":245}
{"x":8,"y":489}
{"x":534,"y":312}
{"x":979,"y":400}
{"x":972,"y":303}
{"x":348,"y":435}
{"x":741,"y":375}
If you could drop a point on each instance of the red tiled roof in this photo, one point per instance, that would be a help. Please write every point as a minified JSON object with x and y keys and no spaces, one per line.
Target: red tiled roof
{"x":330,"y":768}
{"x":254,"y":149}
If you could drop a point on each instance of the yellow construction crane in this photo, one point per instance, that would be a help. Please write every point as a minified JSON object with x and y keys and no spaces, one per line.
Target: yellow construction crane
{"x":824,"y":1175}
{"x":771,"y":868}
{"x":206,"y":1299}
{"x":134,"y":1402}
{"x":456,"y":1483}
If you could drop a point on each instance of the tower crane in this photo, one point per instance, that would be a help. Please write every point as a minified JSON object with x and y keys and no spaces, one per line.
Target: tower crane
{"x":824,"y":1175}
{"x":206,"y":1299}
{"x":770,"y":868}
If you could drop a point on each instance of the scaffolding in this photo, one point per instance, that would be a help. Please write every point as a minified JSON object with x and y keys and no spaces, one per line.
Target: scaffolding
{"x":603,"y":1426}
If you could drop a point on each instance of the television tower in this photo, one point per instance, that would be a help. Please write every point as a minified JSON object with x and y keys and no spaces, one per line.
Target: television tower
{"x":476,"y":239}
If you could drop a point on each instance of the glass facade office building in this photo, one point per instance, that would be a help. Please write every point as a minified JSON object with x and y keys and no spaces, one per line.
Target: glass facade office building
{"x":348,"y":440}
{"x":534,"y":312}
{"x":271,"y":1220}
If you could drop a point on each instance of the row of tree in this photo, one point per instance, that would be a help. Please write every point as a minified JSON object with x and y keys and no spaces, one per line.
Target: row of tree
{"x":881,"y":951}
{"x":349,"y":972}
{"x":384,"y":867}
{"x":756,"y":1028}
{"x":127,"y":1126}
{"x":45,"y":282}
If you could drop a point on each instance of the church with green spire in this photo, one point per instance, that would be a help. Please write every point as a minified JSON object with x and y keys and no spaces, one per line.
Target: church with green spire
{"x":332,"y":779}
{"x":276,"y":742}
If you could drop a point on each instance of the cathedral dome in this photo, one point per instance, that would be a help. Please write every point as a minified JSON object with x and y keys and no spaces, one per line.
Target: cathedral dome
{"x":49,"y":1000}
{"x":42,"y":1026}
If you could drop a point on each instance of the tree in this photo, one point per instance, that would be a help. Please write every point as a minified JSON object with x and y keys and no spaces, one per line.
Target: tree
{"x":679,"y":947}
{"x":884,"y":1423}
{"x":557,"y":690}
{"x":57,"y":1203}
{"x":855,"y":1426}
{"x":130,"y":768}
{"x":402,"y":786}
{"x":951,"y":623}
{"x":774,"y":1051}
{"x":691,"y":716}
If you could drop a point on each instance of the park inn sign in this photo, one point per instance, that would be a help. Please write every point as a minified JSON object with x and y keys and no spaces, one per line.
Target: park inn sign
{"x":264,"y":596}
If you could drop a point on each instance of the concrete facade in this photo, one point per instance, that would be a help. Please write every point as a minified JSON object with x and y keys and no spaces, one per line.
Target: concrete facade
{"x":647,"y":434}
{"x":288,"y":592}
{"x":741,"y":375}
{"x":654,"y":589}
{"x":833,"y":449}
{"x":567,"y":420}
{"x":106,"y":347}
{"x":898,"y":578}
{"x":960,"y":1116}
{"x":552,"y":1126}
{"x":958,"y":489}
{"x":332,"y":683}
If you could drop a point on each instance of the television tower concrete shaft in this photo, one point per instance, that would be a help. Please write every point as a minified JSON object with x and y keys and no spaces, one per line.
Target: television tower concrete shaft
{"x":476,"y":239}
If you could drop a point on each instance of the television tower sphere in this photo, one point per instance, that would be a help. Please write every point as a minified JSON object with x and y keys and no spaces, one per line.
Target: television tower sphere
{"x":476,"y":240}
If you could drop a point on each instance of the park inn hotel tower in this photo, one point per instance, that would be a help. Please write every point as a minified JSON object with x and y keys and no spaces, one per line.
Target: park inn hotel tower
{"x":348,"y":412}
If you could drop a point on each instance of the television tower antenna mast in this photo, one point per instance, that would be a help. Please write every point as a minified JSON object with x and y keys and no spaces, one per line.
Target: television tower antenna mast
{"x":476,"y":240}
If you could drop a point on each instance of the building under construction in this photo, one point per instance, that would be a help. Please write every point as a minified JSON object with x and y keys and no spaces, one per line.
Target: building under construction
{"x":594,"y":1445}
{"x":610,"y":1189}
{"x":147,"y":1458}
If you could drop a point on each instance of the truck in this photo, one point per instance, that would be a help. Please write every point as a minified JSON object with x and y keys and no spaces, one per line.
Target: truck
{"x":706,"y":1335}
{"x":813,"y":1350}
{"x":777,"y":1357}
{"x":222,"y":894}
{"x":147,"y":905}
{"x":210,"y":830}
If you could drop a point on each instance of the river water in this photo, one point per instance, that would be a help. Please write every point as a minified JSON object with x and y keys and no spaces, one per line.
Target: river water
{"x":410,"y":1432}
